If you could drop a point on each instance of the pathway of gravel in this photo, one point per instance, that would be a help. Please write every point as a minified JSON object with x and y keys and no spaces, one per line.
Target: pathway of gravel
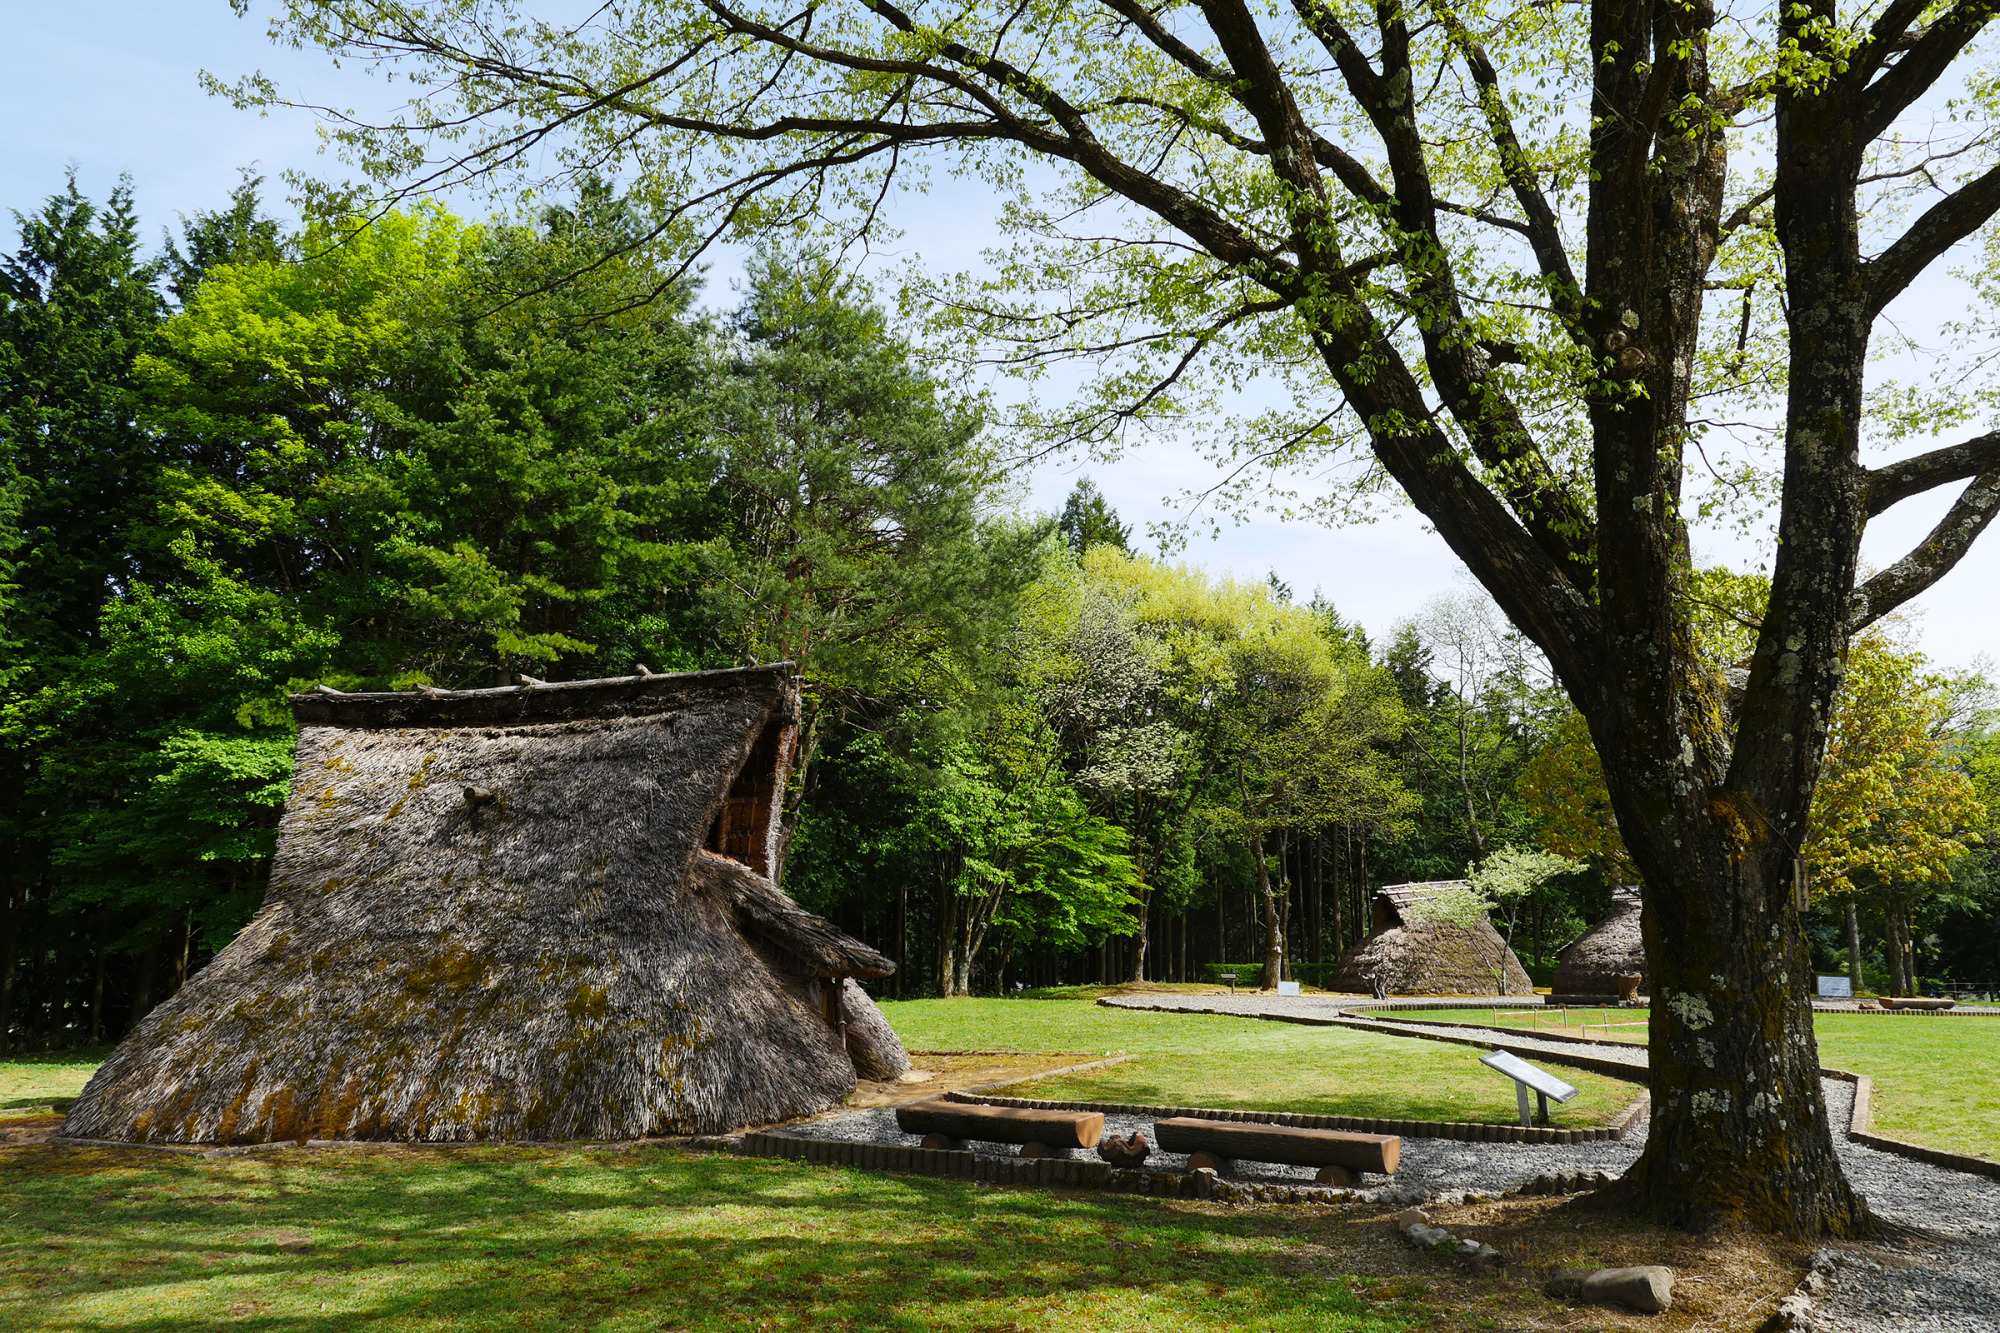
{"x":1331,"y":1010}
{"x":1944,"y":1278}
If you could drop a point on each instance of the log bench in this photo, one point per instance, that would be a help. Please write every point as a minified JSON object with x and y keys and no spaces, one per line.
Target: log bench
{"x":1040,"y":1133}
{"x":1216,"y":1145}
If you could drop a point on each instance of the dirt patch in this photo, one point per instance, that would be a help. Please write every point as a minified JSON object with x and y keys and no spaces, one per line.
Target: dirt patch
{"x":21,"y":1131}
{"x":954,"y":1071}
{"x":1730,"y":1281}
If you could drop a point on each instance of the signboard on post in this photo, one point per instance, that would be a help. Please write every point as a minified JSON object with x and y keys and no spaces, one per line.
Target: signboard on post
{"x":1836,"y":987}
{"x":1526,"y":1076}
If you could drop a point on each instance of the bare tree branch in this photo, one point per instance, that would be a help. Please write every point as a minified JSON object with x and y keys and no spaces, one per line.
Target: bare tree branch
{"x":1933,"y":557}
{"x":1895,"y":482}
{"x":1943,"y":225}
{"x":1921,"y":65}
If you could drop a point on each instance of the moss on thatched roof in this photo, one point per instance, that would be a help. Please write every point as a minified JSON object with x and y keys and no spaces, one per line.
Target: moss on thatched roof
{"x":1407,"y":954}
{"x":491,"y":916}
{"x":1612,"y":948}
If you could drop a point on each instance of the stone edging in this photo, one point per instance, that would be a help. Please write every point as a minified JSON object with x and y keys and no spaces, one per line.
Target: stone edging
{"x":1861,"y":1129}
{"x":953,"y":1164}
{"x":1464,"y":1131}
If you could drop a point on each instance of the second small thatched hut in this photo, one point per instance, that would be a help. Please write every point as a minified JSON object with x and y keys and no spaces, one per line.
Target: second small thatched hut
{"x":1608,"y":950}
{"x":536,"y":912}
{"x":1410,"y":953}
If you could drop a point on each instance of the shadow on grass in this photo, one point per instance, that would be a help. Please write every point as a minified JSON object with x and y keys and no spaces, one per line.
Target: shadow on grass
{"x":647,"y":1238}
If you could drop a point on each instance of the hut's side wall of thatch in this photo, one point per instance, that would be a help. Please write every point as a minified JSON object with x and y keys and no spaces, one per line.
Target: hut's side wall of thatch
{"x":1433,"y":958}
{"x":873,"y":1045}
{"x":1612,"y":948}
{"x":538,"y":967}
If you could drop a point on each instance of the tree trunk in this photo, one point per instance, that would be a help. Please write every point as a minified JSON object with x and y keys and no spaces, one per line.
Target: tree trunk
{"x":1854,"y":976}
{"x":142,"y":981}
{"x":1274,"y":937}
{"x":1137,"y":970}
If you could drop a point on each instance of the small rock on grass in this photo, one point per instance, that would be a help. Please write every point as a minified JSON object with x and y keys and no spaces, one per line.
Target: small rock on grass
{"x":1411,"y":1217}
{"x":1648,"y":1288}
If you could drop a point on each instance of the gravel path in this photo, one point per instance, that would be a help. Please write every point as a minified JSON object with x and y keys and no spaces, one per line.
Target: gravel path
{"x":1944,"y":1277}
{"x":1327,"y":1009}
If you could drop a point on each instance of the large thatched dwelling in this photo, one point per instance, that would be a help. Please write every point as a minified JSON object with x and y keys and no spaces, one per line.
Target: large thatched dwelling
{"x":1608,"y":950}
{"x":536,"y":912}
{"x":1409,"y":953}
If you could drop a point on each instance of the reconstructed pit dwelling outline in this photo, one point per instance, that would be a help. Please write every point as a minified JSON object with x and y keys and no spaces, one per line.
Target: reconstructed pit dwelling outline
{"x":536,"y":912}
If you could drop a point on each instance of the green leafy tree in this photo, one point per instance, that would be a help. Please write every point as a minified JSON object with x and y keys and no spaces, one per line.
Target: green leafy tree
{"x":1088,"y":520}
{"x":862,"y":540}
{"x":1468,"y":287}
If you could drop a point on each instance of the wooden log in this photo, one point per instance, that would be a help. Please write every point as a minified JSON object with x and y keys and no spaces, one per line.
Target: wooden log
{"x":1208,"y":1161}
{"x":1334,"y":1175}
{"x":1002,"y":1124}
{"x":1378,"y":1153}
{"x":944,"y":1142}
{"x":1033,"y":1149}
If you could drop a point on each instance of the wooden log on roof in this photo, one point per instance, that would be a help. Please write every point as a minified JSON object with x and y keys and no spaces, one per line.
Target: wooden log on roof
{"x":1002,"y":1124}
{"x":1378,"y":1153}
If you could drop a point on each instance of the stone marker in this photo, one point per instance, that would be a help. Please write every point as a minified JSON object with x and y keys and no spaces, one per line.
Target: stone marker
{"x":1648,"y":1288}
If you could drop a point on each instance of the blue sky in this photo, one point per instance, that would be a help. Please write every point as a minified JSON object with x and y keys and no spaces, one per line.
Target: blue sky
{"x":111,"y":86}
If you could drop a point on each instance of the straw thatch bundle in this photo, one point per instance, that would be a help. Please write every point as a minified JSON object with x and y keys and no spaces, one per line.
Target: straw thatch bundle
{"x":538,"y":912}
{"x":1409,"y":954}
{"x":1610,"y":949}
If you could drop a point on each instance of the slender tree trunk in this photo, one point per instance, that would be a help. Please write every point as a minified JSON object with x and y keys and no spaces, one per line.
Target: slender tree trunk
{"x":1137,"y":970}
{"x":142,"y":981}
{"x":1854,"y":976}
{"x":10,"y":950}
{"x":1274,"y":938}
{"x":97,"y":1002}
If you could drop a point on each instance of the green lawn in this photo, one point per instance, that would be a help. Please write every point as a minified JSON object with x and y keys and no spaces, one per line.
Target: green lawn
{"x":29,"y":1083}
{"x":1937,"y":1080}
{"x":1199,"y":1060}
{"x":649,"y":1238}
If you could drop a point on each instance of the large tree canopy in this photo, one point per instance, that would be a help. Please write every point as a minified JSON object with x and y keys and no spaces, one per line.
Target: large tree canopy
{"x":1477,"y":239}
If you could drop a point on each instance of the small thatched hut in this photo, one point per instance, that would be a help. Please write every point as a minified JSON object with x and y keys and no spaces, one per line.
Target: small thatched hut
{"x":537,"y":912}
{"x":1409,"y":953}
{"x":1608,"y":950}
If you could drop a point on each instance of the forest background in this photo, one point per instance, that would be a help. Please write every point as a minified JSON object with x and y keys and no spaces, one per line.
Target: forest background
{"x":378,"y":456}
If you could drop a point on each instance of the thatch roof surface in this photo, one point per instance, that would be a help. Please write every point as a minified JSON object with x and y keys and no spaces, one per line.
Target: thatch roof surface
{"x":1410,"y":955}
{"x":559,"y":961}
{"x":763,"y":909}
{"x":1612,"y":948}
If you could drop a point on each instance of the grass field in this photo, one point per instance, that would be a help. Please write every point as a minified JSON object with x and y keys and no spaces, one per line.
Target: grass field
{"x":1937,"y":1079}
{"x":1199,"y":1060}
{"x":28,"y":1084}
{"x":649,"y":1237}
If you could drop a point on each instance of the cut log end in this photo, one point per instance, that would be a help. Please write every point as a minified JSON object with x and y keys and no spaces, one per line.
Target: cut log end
{"x":1208,"y":1161}
{"x":1043,"y":1150}
{"x":1335,"y":1175}
{"x":944,"y":1142}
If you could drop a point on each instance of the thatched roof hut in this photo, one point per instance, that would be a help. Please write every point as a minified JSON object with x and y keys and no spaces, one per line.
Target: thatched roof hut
{"x":1610,"y":949}
{"x":537,"y":912}
{"x":1410,"y":953}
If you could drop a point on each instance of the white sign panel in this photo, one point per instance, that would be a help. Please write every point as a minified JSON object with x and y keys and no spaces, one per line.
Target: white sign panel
{"x":1541,"y":1080}
{"x":1288,"y":988}
{"x":1840,"y":986}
